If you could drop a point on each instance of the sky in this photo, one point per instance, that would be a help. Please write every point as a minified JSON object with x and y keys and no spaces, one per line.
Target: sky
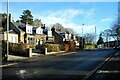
{"x":70,"y":14}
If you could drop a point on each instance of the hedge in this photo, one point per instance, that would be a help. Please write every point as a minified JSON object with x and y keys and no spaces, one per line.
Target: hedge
{"x":53,"y":47}
{"x":20,"y":49}
{"x":67,"y":46}
{"x":92,"y":46}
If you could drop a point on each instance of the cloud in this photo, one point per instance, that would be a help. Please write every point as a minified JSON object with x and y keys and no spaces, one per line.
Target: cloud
{"x":66,"y":18}
{"x":68,"y":13}
{"x":106,"y":20}
{"x":86,"y":29}
{"x":89,"y":13}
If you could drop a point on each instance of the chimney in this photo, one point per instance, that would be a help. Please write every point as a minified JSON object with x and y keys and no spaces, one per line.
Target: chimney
{"x":53,"y":28}
{"x":43,"y":27}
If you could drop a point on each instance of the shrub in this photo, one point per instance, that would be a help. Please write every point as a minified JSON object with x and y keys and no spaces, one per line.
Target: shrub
{"x":32,"y":45}
{"x":69,"y":45}
{"x":90,"y":46}
{"x":72,"y":45}
{"x":66,"y":47}
{"x":18,"y":49}
{"x":61,"y":46}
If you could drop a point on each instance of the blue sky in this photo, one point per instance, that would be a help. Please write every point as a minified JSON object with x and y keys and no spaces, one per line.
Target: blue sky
{"x":69,"y":14}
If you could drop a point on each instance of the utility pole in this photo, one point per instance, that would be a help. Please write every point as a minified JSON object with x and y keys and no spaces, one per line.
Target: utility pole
{"x":82,"y":37}
{"x":95,"y":35}
{"x":7,"y":30}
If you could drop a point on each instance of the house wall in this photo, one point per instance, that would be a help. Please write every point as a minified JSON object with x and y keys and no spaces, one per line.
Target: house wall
{"x":30,"y":38}
{"x":13,"y":38}
{"x":29,"y":29}
{"x":39,"y":31}
{"x":21,"y":37}
{"x":35,"y":38}
{"x":42,"y":39}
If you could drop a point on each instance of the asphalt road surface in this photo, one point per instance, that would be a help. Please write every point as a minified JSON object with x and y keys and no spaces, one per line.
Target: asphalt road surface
{"x":75,"y":66}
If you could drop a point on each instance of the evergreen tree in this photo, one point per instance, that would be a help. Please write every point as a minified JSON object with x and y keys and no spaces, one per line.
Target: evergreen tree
{"x":27,"y":17}
{"x":3,"y":22}
{"x":100,"y":40}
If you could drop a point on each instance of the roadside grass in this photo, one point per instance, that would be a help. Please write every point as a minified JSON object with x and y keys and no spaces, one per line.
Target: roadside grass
{"x":0,"y":47}
{"x":1,"y":29}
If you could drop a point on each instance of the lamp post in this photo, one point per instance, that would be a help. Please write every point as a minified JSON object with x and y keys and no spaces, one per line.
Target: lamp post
{"x":82,"y":37}
{"x":6,"y":56}
{"x":95,"y":34}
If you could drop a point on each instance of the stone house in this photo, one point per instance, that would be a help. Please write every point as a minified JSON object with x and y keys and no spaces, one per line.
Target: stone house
{"x":60,"y":37}
{"x":33,"y":35}
{"x":25,"y":34}
{"x":15,"y":35}
{"x":12,"y":36}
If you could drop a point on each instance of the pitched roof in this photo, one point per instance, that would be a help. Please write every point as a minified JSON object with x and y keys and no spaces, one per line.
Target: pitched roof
{"x":11,"y":31}
{"x":34,"y":28}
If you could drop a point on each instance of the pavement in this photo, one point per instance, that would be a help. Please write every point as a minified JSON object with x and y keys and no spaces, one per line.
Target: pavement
{"x":13,"y":60}
{"x":110,"y":70}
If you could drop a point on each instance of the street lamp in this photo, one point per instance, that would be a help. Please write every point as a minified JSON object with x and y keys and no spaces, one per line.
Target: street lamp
{"x":82,"y":37}
{"x":6,"y":56}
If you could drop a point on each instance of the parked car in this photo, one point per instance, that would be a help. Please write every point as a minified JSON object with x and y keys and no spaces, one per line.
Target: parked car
{"x":117,"y":47}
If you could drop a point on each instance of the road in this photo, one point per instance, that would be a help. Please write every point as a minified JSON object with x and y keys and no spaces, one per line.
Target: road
{"x":110,"y":70}
{"x":77,"y":65}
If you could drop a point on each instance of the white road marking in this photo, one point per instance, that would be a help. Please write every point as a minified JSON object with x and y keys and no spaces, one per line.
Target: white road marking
{"x":108,"y":71}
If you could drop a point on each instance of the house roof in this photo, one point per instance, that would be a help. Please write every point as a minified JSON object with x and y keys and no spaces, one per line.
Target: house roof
{"x":34,"y":28}
{"x":22,"y":27}
{"x":45,"y":31}
{"x":17,"y":26}
{"x":61,"y":33}
{"x":11,"y":31}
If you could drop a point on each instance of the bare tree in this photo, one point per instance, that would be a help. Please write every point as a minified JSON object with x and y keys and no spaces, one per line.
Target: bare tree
{"x":116,"y":31}
{"x":107,"y":34}
{"x":89,"y":38}
{"x":116,"y":26}
{"x":37,"y":22}
{"x":69,"y":30}
{"x":59,"y":27}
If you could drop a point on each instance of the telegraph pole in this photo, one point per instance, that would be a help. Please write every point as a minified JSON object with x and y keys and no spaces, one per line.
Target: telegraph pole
{"x":95,"y":35}
{"x":7,"y":30}
{"x":82,"y":37}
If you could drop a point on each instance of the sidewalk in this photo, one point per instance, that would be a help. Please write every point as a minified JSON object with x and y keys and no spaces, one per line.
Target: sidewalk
{"x":110,"y":70}
{"x":13,"y":60}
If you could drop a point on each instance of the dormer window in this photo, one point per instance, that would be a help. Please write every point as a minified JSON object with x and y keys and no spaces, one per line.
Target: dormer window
{"x":39,"y":31}
{"x":29,"y":29}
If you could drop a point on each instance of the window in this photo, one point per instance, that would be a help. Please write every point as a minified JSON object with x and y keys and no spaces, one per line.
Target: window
{"x":11,"y":39}
{"x":15,"y":39}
